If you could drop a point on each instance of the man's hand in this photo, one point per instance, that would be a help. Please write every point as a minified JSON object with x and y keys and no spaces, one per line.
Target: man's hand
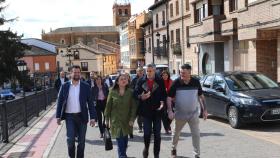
{"x":161,"y":106}
{"x":145,"y":96}
{"x":171,"y":115}
{"x":58,"y":121}
{"x":131,"y":123}
{"x":205,"y":114}
{"x":92,"y":122}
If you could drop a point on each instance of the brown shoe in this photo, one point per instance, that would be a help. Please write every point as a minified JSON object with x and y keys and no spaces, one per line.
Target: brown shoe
{"x":173,"y":153}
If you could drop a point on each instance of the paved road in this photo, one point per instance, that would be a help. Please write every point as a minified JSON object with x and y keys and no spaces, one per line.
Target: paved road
{"x":218,"y":140}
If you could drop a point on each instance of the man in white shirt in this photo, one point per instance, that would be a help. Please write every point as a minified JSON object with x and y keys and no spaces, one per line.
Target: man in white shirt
{"x":75,"y":106}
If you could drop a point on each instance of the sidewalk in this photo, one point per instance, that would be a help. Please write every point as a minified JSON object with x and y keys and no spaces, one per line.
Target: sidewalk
{"x":35,"y":142}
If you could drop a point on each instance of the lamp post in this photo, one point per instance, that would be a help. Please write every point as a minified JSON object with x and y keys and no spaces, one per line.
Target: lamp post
{"x":70,"y":53}
{"x":21,"y":65}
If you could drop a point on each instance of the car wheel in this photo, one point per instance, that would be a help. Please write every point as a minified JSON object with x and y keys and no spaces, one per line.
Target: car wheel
{"x":233,"y":117}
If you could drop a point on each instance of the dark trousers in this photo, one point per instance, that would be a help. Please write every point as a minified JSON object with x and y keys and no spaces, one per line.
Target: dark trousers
{"x":152,"y":125}
{"x":100,"y":107}
{"x":140,"y":122}
{"x":122,"y":142}
{"x":75,"y":127}
{"x":166,"y":121}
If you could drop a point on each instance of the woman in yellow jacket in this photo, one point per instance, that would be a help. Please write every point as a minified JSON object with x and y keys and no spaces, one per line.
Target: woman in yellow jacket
{"x":120,"y":113}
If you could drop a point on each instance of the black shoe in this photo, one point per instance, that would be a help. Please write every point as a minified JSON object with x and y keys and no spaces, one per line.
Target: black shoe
{"x":131,"y":136}
{"x":156,"y":156}
{"x":145,"y":153}
{"x":173,"y":153}
{"x":196,"y":156}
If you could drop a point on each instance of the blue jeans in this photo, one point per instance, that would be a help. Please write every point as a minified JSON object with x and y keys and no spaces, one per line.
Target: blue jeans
{"x":75,"y":127}
{"x":152,"y":124}
{"x":122,"y":146}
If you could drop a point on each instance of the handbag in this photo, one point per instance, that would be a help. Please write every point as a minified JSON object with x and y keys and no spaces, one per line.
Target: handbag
{"x":107,"y":138}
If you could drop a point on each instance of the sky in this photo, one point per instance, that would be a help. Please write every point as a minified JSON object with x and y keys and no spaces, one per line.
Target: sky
{"x":33,"y":16}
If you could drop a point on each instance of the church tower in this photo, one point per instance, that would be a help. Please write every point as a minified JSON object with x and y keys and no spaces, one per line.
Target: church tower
{"x":121,"y":11}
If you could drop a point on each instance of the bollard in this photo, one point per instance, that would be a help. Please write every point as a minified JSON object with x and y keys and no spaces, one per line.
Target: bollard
{"x":5,"y":122}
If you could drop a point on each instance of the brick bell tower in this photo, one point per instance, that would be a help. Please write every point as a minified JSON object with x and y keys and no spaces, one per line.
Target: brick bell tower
{"x":121,"y":11}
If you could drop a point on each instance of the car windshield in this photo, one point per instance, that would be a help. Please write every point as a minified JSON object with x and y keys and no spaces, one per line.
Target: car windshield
{"x":249,"y":81}
{"x":5,"y":91}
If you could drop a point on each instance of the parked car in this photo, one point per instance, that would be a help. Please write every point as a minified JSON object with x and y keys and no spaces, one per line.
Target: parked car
{"x":113,"y":77}
{"x":7,"y":94}
{"x":242,"y":97}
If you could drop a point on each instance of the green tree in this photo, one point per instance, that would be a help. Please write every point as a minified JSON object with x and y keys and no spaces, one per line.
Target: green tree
{"x":11,"y":50}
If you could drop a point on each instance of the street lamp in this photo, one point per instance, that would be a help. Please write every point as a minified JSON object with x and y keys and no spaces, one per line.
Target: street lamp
{"x":70,"y":53}
{"x":21,"y":65}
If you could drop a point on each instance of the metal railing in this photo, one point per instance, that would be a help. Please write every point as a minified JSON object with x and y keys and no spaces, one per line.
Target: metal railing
{"x":17,"y":114}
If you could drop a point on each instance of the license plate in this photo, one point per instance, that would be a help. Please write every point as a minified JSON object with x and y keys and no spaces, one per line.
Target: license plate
{"x":275,"y":111}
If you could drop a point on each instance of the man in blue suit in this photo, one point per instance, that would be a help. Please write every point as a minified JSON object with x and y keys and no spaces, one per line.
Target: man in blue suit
{"x":75,"y":106}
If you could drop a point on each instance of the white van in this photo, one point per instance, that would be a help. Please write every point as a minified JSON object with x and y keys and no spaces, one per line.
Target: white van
{"x":159,"y":68}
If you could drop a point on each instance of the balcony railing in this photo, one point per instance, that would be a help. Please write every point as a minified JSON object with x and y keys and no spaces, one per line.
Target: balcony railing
{"x":160,"y":51}
{"x":177,"y":49}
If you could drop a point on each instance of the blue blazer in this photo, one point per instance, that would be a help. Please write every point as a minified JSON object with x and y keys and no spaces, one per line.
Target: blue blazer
{"x":86,"y":101}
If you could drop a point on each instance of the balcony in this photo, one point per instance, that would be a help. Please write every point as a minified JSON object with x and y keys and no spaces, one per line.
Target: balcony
{"x":208,"y":30}
{"x":229,"y":27}
{"x":160,"y":51}
{"x":177,"y":49}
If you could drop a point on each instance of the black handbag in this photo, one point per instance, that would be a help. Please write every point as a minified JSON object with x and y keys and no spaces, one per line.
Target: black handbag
{"x":107,"y":138}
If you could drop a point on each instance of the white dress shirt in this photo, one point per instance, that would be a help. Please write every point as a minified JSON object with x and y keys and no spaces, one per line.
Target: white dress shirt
{"x":62,"y":80}
{"x":92,"y":83}
{"x":73,"y":101}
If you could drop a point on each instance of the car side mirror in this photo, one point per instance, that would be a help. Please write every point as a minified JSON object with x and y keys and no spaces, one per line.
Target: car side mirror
{"x":219,"y":89}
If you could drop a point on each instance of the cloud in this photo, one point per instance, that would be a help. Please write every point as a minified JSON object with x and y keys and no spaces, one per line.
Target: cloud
{"x":35,"y":15}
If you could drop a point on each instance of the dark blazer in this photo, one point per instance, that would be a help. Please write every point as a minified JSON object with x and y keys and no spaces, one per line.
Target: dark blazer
{"x":86,"y":101}
{"x":89,"y":82}
{"x":57,"y":83}
{"x":148,"y":108}
{"x":95,"y":91}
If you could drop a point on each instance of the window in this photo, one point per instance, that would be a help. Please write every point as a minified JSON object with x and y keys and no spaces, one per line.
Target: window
{"x":187,"y":5}
{"x":76,"y":54}
{"x":188,"y":36}
{"x":126,"y":11}
{"x":171,"y":10}
{"x":47,"y":66}
{"x":163,"y":18}
{"x":62,"y":41}
{"x":177,"y":8}
{"x":233,"y":5}
{"x":120,"y":12}
{"x":201,"y":12}
{"x":156,"y":20}
{"x":84,"y":66}
{"x":149,"y":45}
{"x":172,"y":36}
{"x":37,"y":67}
{"x":208,"y":82}
{"x":219,"y":82}
{"x":177,"y":35}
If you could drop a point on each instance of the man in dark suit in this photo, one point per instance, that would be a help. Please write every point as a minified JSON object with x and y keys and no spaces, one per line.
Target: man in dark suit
{"x":75,"y":106}
{"x":91,"y":81}
{"x":58,"y":82}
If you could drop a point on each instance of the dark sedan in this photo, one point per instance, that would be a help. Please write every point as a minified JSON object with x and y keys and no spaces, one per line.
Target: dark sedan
{"x":242,"y":97}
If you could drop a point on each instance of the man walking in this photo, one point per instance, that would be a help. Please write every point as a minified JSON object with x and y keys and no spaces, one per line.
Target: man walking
{"x":151,"y":93}
{"x":62,"y":78}
{"x":187,"y":92}
{"x":134,"y":82}
{"x":91,"y":80}
{"x":74,"y":105}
